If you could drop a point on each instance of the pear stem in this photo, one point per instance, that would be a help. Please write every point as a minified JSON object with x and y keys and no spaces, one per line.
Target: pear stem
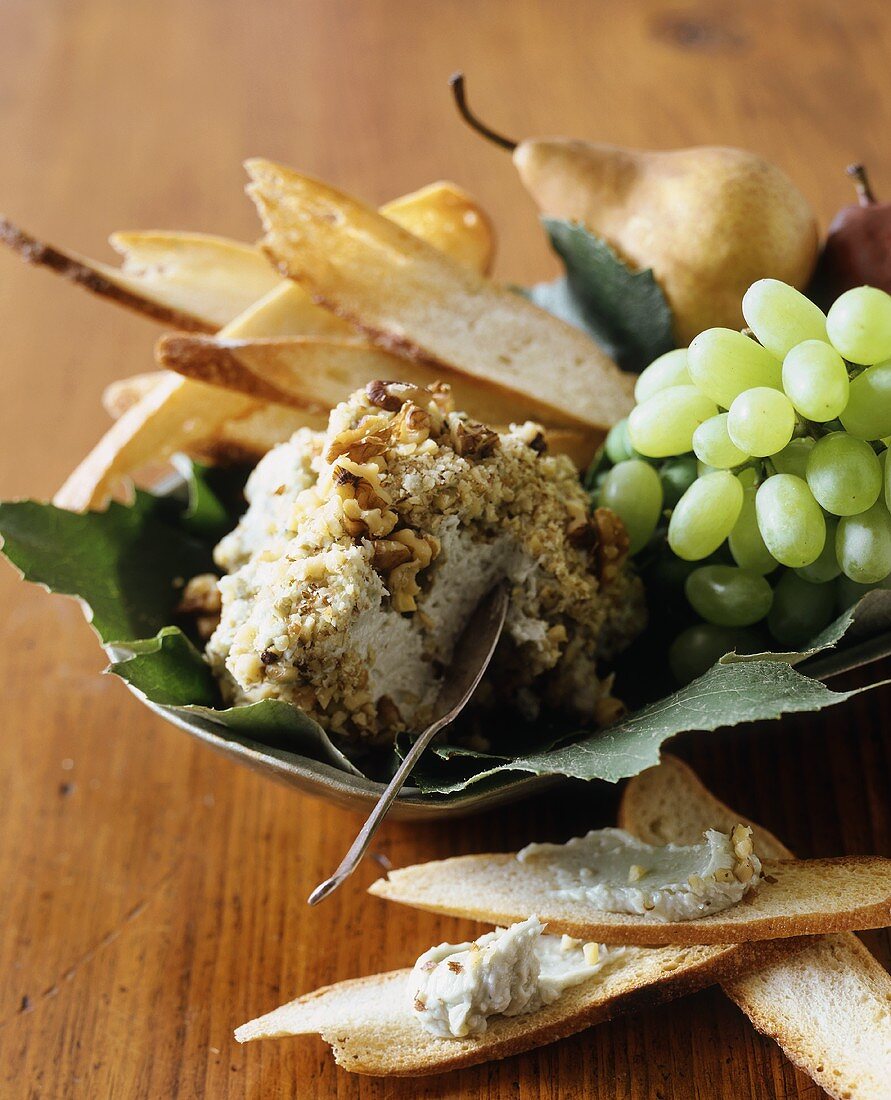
{"x":865,"y":195}
{"x":456,"y":83}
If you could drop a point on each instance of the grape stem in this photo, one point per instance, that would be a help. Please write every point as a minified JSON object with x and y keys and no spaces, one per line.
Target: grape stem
{"x":865,"y":195}
{"x":456,"y":83}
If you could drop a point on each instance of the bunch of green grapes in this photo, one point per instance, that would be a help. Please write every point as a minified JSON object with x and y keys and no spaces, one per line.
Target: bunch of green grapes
{"x":767,"y":452}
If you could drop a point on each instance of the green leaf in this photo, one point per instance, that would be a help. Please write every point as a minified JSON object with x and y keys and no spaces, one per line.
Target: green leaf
{"x":725,"y":696}
{"x":170,"y":672}
{"x":205,"y":516}
{"x":624,"y":310}
{"x":127,"y":563}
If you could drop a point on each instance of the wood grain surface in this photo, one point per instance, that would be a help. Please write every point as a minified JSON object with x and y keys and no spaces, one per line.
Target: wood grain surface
{"x":152,"y":893}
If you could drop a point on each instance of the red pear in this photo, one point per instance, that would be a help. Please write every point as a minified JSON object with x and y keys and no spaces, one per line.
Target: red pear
{"x":857,"y":251}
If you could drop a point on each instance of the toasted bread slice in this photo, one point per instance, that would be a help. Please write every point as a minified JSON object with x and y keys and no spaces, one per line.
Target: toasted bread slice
{"x":415,"y":301}
{"x":199,"y":283}
{"x":829,"y":1006}
{"x":796,"y":898}
{"x":123,"y":393}
{"x":321,"y":371}
{"x":189,"y":280}
{"x":210,"y":422}
{"x":369,"y":1024}
{"x":179,"y":414}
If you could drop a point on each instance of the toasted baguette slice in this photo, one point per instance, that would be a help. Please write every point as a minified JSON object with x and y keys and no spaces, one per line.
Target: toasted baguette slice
{"x":210,"y":422}
{"x":179,"y":414}
{"x":829,"y":1006}
{"x":417,"y":302}
{"x":796,"y":898}
{"x":189,"y":280}
{"x":320,"y":371}
{"x":200,"y":283}
{"x":369,"y":1024}
{"x":123,"y":393}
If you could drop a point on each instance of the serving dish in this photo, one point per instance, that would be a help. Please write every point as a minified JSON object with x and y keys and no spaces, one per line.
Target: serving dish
{"x":359,"y":794}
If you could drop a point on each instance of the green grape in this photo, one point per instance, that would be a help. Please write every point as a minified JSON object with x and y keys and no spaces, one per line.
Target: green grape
{"x":781,"y":316}
{"x":887,"y":463}
{"x":815,"y":379}
{"x":868,"y":411}
{"x":750,"y":476}
{"x":825,"y":567}
{"x":863,"y":545}
{"x":713,"y":446}
{"x":790,"y":520}
{"x":664,"y":424}
{"x":677,"y":477}
{"x":632,"y":489}
{"x":727,"y":595}
{"x":844,"y":474}
{"x":617,"y":445}
{"x":696,"y":649}
{"x":761,"y":421}
{"x":746,"y":544}
{"x":668,"y":370}
{"x":859,"y":325}
{"x":800,"y":610}
{"x":848,"y":592}
{"x":723,"y":363}
{"x":705,"y":515}
{"x":792,"y":459}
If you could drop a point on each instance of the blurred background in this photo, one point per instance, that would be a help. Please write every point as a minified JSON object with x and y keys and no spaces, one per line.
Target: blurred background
{"x":138,"y":115}
{"x":152,"y":890}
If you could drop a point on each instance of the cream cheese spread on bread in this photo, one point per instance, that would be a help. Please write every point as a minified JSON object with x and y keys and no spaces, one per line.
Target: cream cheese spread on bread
{"x":617,"y":873}
{"x":455,"y":988}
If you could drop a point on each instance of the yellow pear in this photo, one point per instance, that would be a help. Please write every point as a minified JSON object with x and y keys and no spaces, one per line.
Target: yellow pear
{"x":709,"y":221}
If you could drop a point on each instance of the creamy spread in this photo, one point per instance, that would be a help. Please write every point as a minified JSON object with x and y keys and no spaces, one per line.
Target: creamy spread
{"x":617,"y":873}
{"x":456,"y":988}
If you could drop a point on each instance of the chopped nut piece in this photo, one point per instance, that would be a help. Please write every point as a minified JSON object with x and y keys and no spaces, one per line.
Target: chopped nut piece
{"x":410,"y":425}
{"x":378,"y":393}
{"x":724,"y":874}
{"x":402,"y":580}
{"x":388,"y":553}
{"x":471,"y":439}
{"x":611,"y":549}
{"x":455,"y":966}
{"x":388,"y":713}
{"x":201,"y":594}
{"x":591,"y":951}
{"x":370,"y":439}
{"x":636,"y":872}
{"x":420,"y":1003}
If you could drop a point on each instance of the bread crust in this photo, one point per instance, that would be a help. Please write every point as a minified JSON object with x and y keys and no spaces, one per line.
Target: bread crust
{"x":96,"y":278}
{"x":370,"y":1027}
{"x":414,"y":301}
{"x":797,"y":898}
{"x":829,"y":1007}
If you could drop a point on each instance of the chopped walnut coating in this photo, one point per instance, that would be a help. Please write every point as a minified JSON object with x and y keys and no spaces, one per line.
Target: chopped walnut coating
{"x":201,"y":599}
{"x":402,"y":580}
{"x":469,"y":437}
{"x":610,"y":549}
{"x":407,"y":492}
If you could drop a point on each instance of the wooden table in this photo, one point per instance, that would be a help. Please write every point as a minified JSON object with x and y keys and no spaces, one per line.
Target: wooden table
{"x":153,"y":893}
